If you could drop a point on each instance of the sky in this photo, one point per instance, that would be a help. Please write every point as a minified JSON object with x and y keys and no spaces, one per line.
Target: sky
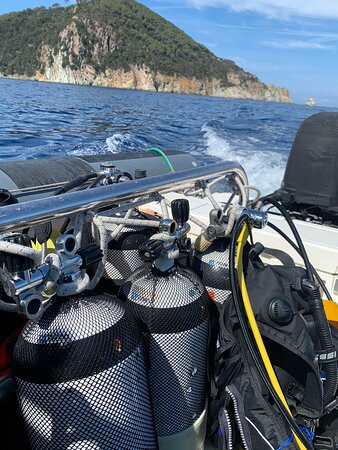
{"x":290,"y":43}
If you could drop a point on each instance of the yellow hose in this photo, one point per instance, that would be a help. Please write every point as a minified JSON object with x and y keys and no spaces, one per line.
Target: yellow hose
{"x":254,"y":327}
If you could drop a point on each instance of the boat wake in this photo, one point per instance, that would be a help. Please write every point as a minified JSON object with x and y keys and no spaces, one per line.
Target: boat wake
{"x":265,"y":168}
{"x":115,"y":142}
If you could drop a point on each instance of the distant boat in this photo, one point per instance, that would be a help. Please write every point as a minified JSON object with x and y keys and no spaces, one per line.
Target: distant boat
{"x":310,"y":102}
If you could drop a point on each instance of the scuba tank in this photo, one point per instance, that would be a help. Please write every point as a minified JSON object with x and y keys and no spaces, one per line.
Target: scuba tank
{"x":171,"y":304}
{"x":81,"y":377}
{"x":123,"y":254}
{"x":211,"y":259}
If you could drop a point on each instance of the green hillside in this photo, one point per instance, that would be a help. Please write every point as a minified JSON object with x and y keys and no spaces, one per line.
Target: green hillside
{"x":140,"y":37}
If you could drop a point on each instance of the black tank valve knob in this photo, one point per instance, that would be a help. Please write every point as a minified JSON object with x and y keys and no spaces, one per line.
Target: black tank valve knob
{"x":151,"y":250}
{"x":180,"y":209}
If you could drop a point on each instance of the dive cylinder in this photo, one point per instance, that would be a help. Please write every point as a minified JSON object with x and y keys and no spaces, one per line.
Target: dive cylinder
{"x":212,"y":266}
{"x":123,"y":254}
{"x":170,"y":302}
{"x":81,"y":377}
{"x":211,"y":258}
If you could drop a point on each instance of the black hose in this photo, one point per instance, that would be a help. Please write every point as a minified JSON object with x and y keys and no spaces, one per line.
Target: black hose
{"x":317,"y":310}
{"x":248,"y":339}
{"x":64,"y":226}
{"x":294,"y":246}
{"x":295,"y":233}
{"x":8,"y":307}
{"x":325,"y":337}
{"x":78,"y":181}
{"x":96,"y":181}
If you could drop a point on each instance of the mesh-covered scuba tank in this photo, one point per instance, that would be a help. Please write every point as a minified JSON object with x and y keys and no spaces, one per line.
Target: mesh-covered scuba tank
{"x":171,"y":303}
{"x":81,"y":377}
{"x":122,"y":256}
{"x":212,"y":266}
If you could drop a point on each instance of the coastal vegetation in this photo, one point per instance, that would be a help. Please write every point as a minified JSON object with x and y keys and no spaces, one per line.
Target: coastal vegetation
{"x":141,"y":36}
{"x":118,"y":43}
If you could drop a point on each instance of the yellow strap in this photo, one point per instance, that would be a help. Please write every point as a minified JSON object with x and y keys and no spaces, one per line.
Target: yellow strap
{"x":254,"y":327}
{"x":331,"y":311}
{"x":50,"y":243}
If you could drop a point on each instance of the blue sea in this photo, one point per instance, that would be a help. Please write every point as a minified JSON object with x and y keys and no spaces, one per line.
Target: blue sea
{"x":39,"y":120}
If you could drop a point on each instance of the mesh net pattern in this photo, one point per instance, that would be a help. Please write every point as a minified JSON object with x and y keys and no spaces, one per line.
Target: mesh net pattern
{"x":178,"y":378}
{"x":121,"y":264}
{"x":218,"y":295}
{"x":179,"y":288}
{"x":174,"y":309}
{"x":122,"y":255}
{"x":109,"y":410}
{"x":131,"y":238}
{"x":91,"y":393}
{"x":213,"y":268}
{"x":74,"y":319}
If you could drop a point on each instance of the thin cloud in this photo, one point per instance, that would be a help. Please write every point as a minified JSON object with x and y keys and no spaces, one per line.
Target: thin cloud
{"x":290,"y":44}
{"x":279,"y":9}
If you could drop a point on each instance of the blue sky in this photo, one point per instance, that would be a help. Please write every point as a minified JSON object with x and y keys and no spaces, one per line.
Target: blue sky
{"x":290,"y":43}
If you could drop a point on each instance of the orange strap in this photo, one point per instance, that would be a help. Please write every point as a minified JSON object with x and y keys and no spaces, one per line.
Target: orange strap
{"x":331,"y":311}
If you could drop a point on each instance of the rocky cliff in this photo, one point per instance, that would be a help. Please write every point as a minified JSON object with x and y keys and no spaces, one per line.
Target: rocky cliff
{"x":122,"y":44}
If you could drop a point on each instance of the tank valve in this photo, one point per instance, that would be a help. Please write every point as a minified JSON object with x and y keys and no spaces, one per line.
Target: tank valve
{"x":256,"y":218}
{"x":216,"y":229}
{"x":151,"y":250}
{"x":172,"y":238}
{"x":180,"y":209}
{"x":31,"y":305}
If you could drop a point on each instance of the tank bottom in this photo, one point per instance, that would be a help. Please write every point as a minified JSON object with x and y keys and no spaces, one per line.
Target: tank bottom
{"x":192,"y":438}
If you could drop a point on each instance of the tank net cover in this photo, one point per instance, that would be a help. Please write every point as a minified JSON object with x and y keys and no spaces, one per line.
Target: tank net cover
{"x":123,"y":256}
{"x":174,"y":313}
{"x":81,"y":377}
{"x":212,"y":266}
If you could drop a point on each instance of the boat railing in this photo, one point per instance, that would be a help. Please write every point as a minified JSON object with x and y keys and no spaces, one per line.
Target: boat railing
{"x":27,"y":214}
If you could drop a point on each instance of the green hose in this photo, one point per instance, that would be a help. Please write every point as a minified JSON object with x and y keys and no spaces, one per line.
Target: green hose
{"x":161,"y":153}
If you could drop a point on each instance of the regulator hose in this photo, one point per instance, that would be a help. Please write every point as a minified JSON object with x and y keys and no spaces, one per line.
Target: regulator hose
{"x":76,"y":182}
{"x":294,"y":230}
{"x":294,"y":246}
{"x":260,"y":356}
{"x":317,"y":310}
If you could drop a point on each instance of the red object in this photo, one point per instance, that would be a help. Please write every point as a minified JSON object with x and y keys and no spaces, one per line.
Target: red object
{"x":6,"y":350}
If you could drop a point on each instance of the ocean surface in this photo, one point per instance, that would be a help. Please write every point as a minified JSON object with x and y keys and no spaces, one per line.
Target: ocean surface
{"x":39,"y":120}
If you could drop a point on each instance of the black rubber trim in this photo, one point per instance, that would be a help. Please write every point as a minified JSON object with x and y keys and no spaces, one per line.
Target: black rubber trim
{"x":55,"y":363}
{"x":39,"y":172}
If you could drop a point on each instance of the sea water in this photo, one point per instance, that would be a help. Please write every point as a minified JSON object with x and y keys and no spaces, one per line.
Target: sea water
{"x":39,"y":120}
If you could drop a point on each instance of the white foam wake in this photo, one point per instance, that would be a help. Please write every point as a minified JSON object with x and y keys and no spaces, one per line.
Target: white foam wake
{"x":265,"y":169}
{"x":114,"y":144}
{"x":116,"y":141}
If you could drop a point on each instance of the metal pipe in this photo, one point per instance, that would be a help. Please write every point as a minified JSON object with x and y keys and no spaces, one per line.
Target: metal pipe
{"x":34,"y":212}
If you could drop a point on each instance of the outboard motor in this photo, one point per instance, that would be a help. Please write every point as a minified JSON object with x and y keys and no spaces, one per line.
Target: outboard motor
{"x":81,"y":377}
{"x":211,"y":258}
{"x":310,"y":184}
{"x":171,"y":304}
